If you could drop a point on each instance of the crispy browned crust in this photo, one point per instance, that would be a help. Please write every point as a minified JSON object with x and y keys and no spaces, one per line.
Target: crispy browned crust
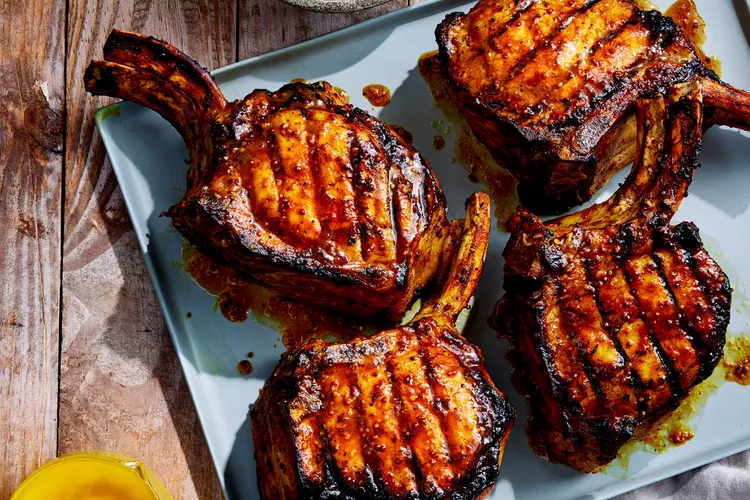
{"x":614,"y":314}
{"x":547,"y":86}
{"x":408,"y":413}
{"x":295,"y":189}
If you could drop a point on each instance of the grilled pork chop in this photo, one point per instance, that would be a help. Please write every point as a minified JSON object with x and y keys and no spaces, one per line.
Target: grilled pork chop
{"x":295,"y":189}
{"x":547,"y":85}
{"x":408,"y":413}
{"x":613,"y":314}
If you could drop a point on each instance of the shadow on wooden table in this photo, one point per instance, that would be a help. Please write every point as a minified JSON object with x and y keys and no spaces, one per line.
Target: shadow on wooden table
{"x":122,"y":387}
{"x":152,"y":348}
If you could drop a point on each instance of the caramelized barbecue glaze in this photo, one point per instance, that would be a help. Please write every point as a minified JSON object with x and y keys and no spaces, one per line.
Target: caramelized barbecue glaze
{"x":408,"y":413}
{"x":613,"y":313}
{"x":546,"y":86}
{"x":295,"y":189}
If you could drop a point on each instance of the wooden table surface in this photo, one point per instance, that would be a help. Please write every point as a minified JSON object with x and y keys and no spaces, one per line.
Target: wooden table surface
{"x":86,"y":361}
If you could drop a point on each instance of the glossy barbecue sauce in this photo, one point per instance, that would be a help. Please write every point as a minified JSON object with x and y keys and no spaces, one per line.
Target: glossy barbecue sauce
{"x":377,"y":95}
{"x":236,"y":297}
{"x":468,"y":151}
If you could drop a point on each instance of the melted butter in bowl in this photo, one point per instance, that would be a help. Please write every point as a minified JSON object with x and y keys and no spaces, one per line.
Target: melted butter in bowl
{"x":92,"y":476}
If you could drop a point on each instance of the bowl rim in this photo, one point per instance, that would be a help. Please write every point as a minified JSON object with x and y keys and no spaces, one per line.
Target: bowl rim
{"x":332,"y":6}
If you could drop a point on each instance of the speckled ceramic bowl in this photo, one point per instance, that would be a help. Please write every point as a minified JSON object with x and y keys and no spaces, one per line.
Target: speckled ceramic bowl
{"x":335,"y":5}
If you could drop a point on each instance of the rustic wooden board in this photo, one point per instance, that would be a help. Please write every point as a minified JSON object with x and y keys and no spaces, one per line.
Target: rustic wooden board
{"x":122,"y":388}
{"x":32,"y":47}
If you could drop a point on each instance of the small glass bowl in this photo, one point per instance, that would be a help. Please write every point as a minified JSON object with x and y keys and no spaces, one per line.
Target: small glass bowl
{"x":92,"y":475}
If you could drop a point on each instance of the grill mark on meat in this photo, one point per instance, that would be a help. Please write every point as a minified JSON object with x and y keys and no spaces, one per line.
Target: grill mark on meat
{"x":335,"y":187}
{"x":565,"y":74}
{"x":484,"y":62}
{"x":264,"y":201}
{"x":588,"y":369}
{"x":686,"y":324}
{"x":610,"y":80}
{"x":315,"y":180}
{"x":695,"y":268}
{"x":394,"y":182}
{"x":712,"y":277}
{"x":518,"y":37}
{"x":437,"y":406}
{"x":537,"y":348}
{"x":367,"y":238}
{"x":320,"y":445}
{"x":615,"y":305}
{"x":520,"y":11}
{"x":455,"y":392}
{"x":356,"y":206}
{"x":373,"y":484}
{"x":383,"y":428}
{"x":546,"y":41}
{"x":276,"y":169}
{"x":666,"y":362}
{"x":478,"y":34}
{"x":427,"y":438}
{"x":330,"y":469}
{"x":574,"y":360}
{"x":297,"y":196}
{"x":561,"y":363}
{"x":343,"y":435}
{"x":402,"y":419}
{"x":386,"y":243}
{"x":402,"y":216}
{"x":662,"y":316}
{"x":635,"y":382}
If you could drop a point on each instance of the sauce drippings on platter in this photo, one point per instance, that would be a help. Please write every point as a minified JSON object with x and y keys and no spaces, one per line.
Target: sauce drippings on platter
{"x":686,"y":16}
{"x":377,"y":95}
{"x":403,"y":133}
{"x":438,"y":142}
{"x":245,"y":367}
{"x":236,"y":297}
{"x":677,"y":429}
{"x":343,"y":94}
{"x":482,"y":168}
{"x":468,"y":151}
{"x":429,"y":69}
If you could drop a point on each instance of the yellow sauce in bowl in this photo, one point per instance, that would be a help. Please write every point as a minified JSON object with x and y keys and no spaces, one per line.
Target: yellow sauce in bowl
{"x":92,"y":476}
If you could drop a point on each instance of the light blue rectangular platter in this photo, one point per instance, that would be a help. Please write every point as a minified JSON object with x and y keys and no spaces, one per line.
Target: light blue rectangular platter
{"x":148,"y":158}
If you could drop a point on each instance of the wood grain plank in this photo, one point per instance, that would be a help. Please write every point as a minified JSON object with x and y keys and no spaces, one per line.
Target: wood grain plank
{"x":267,"y":25}
{"x":32,"y":96}
{"x":122,"y":388}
